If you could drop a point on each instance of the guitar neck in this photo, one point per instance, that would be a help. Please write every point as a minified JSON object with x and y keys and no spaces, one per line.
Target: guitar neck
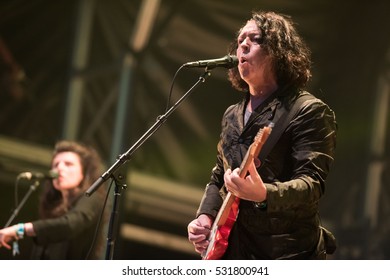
{"x":224,"y":210}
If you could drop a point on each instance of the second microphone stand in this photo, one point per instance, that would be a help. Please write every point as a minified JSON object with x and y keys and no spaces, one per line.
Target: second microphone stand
{"x":16,"y":211}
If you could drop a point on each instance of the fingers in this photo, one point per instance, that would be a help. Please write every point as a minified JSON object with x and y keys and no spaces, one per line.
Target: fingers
{"x":196,"y":228}
{"x":230,"y":176}
{"x":200,"y":247}
{"x":227,"y":175}
{"x":7,"y":246}
{"x":244,"y":188}
{"x":232,"y":180}
{"x":7,"y":236}
{"x":198,"y":231}
{"x":196,"y":238}
{"x":254,"y":175}
{"x":4,"y":244}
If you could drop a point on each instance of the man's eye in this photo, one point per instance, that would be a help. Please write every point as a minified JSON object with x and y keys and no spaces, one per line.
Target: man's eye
{"x":257,"y":40}
{"x":260,"y":39}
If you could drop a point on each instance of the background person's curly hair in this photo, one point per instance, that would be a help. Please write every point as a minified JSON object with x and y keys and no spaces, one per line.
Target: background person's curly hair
{"x":52,"y":203}
{"x":289,"y":52}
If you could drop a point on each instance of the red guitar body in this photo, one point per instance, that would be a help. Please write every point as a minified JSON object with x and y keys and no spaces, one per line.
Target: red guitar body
{"x":219,"y":242}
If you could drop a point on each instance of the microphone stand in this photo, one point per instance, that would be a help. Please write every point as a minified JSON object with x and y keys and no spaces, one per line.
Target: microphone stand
{"x":120,"y":184}
{"x":32,"y":188}
{"x":123,"y":158}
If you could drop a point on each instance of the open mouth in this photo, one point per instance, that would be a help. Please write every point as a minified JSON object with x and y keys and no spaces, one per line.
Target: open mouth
{"x":243,"y":60}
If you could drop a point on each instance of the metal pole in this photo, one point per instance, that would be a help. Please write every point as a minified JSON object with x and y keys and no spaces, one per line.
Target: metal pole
{"x":79,"y":62}
{"x":377,"y":148}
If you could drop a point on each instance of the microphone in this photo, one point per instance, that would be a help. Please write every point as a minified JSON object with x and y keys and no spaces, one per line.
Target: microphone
{"x":38,"y":175}
{"x":228,"y":61}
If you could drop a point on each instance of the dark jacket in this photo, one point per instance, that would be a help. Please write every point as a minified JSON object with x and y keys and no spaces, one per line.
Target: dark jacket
{"x":70,"y":236}
{"x":294,"y":173}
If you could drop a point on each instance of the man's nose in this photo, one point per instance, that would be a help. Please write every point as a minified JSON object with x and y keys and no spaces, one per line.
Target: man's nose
{"x":60,"y":165}
{"x":244,"y":44}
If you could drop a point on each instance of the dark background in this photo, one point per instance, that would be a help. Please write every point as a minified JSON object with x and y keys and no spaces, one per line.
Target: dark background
{"x":350,"y":45}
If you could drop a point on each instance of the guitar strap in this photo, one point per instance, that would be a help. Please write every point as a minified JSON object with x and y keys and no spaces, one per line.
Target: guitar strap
{"x":282,"y":122}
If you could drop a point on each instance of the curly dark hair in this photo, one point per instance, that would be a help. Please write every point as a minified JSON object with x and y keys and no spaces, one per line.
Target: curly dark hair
{"x":281,"y":40}
{"x":52,"y":203}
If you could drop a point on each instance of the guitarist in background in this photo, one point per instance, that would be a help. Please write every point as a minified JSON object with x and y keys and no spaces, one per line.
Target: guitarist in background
{"x":278,"y":214}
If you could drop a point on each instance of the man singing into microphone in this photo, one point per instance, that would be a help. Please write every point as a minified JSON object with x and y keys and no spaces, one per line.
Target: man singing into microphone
{"x":68,"y":218}
{"x":278,"y":215}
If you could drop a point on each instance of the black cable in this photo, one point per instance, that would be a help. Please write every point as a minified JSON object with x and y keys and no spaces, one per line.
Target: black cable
{"x":171,"y":89}
{"x":99,"y":222}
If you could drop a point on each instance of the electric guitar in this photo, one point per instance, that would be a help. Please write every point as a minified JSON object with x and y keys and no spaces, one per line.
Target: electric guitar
{"x":227,"y":215}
